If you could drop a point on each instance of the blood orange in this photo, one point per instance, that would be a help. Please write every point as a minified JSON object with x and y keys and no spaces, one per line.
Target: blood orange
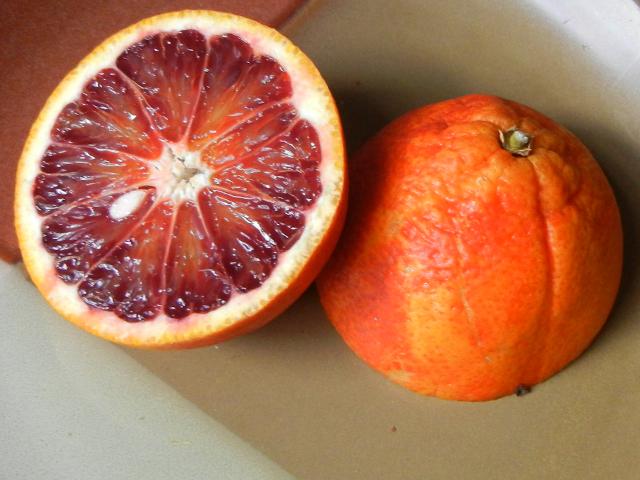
{"x":183,"y":184}
{"x":482,"y":253}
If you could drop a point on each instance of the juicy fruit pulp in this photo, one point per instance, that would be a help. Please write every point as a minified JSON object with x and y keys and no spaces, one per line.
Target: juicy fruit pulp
{"x":482,"y":252}
{"x":177,"y":178}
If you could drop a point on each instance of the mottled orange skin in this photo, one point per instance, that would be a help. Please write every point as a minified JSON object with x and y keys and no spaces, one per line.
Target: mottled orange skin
{"x":464,"y":271}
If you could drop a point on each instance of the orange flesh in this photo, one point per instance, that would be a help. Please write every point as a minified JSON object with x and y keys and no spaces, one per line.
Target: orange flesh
{"x":168,"y":94}
{"x":464,"y":271}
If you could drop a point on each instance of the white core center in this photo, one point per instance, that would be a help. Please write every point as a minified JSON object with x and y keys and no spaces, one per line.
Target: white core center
{"x":177,"y":175}
{"x":180,"y":175}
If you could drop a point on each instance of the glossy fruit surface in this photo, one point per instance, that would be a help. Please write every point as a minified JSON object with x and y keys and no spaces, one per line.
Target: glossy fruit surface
{"x":482,"y":251}
{"x":183,"y":184}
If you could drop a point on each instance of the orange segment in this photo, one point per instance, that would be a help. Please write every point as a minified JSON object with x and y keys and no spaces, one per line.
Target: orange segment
{"x":285,"y":169}
{"x":128,"y":281}
{"x":78,"y":237}
{"x":168,"y":69}
{"x":196,"y":279}
{"x":72,"y":174}
{"x":251,"y":233}
{"x":235,"y":86}
{"x":189,"y":160}
{"x":259,"y":130}
{"x":108,"y":115}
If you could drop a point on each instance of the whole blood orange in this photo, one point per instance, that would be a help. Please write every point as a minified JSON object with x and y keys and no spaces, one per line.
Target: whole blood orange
{"x":183,"y":184}
{"x":482,"y":251}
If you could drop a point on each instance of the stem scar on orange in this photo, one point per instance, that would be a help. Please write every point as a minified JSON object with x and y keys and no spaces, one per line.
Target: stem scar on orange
{"x":183,"y":184}
{"x":482,"y":251}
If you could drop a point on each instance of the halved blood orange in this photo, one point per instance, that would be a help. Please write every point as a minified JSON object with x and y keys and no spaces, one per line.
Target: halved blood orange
{"x":183,"y":184}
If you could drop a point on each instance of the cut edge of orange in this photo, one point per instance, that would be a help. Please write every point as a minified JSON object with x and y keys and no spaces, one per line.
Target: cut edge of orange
{"x":296,"y":268}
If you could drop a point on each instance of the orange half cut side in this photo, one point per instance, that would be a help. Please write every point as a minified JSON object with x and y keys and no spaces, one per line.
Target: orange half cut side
{"x":184,"y":184}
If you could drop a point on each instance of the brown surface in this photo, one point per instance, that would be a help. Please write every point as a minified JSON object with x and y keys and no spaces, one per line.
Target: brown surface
{"x":293,"y":389}
{"x":43,"y":40}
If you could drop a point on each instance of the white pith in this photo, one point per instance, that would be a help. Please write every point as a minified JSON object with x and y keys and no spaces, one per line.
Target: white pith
{"x":310,"y":97}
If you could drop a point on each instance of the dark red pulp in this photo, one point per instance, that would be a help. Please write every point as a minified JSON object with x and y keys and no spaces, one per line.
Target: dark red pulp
{"x":177,"y":89}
